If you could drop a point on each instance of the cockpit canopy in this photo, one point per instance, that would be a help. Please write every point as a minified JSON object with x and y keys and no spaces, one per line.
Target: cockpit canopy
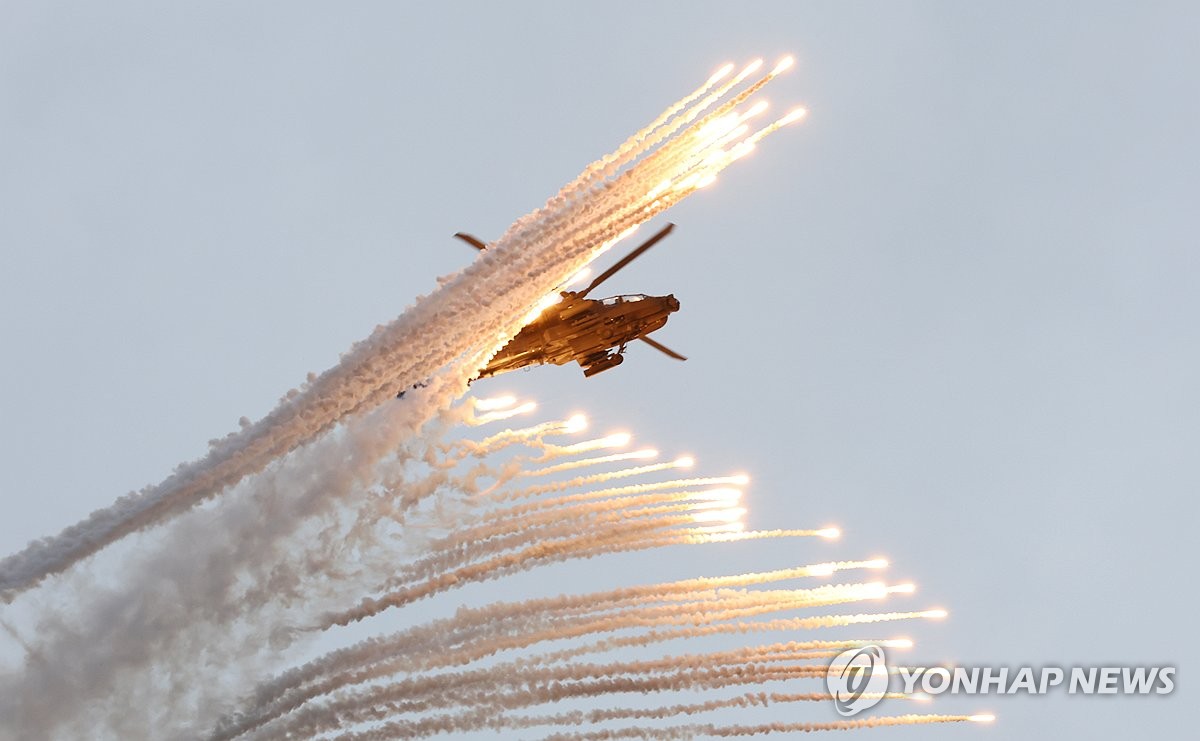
{"x":626,"y":298}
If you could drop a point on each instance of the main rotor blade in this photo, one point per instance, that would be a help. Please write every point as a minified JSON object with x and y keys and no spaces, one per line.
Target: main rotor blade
{"x":627,"y":259}
{"x":661,"y":348}
{"x":471,"y":240}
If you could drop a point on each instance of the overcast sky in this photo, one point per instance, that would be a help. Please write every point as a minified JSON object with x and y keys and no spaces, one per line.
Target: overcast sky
{"x":955,"y":312}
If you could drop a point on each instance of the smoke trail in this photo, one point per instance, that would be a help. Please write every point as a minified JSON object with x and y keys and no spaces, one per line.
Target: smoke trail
{"x":161,"y":610}
{"x":468,"y":721}
{"x":505,"y":688}
{"x":404,"y":652}
{"x":587,"y":462}
{"x":469,"y":316}
{"x":707,"y":729}
{"x":324,"y":482}
{"x":502,"y":689}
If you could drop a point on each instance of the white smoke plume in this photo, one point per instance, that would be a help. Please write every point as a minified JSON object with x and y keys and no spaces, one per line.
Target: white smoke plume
{"x":222,"y":597}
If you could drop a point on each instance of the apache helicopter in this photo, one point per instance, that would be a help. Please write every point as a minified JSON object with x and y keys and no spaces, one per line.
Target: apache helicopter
{"x":592,"y":332}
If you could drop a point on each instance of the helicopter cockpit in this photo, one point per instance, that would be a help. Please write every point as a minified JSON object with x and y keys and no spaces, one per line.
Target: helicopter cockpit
{"x":623,"y":299}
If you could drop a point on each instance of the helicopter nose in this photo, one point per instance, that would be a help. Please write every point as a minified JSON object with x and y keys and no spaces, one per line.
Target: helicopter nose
{"x":672,"y":303}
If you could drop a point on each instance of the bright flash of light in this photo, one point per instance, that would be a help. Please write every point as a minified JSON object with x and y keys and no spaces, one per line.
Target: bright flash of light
{"x":745,"y":146}
{"x":658,"y":189}
{"x":829,"y":568}
{"x":831,"y":533}
{"x":547,"y":301}
{"x":642,"y":454}
{"x":576,"y":423}
{"x":502,"y":414}
{"x":624,"y":233}
{"x":748,"y":70}
{"x":875,"y":590}
{"x":684,"y":462}
{"x":741,"y":150}
{"x":525,"y":408}
{"x":739,"y":131}
{"x":494,"y":403}
{"x":718,"y":128}
{"x":687,"y":183}
{"x":784,"y":65}
{"x":720,"y":515}
{"x":984,"y":718}
{"x":906,"y":588}
{"x":720,"y":75}
{"x":793,"y":116}
{"x":759,"y":107}
{"x":719,"y":495}
{"x":618,"y":440}
{"x":936,"y":614}
{"x":796,"y":114}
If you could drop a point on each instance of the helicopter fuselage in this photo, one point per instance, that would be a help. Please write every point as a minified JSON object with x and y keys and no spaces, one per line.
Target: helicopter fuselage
{"x":592,"y":332}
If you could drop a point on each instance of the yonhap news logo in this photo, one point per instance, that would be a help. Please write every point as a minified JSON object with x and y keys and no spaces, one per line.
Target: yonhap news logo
{"x":858,"y":678}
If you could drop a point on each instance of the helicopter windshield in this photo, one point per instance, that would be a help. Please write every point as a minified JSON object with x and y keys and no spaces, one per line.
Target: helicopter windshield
{"x":626,"y":298}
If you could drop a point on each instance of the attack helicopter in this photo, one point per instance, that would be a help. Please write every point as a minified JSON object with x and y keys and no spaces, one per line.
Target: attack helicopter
{"x":591,"y":332}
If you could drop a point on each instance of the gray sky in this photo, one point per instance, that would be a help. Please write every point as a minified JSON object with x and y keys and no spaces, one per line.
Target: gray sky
{"x":954,"y":312}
